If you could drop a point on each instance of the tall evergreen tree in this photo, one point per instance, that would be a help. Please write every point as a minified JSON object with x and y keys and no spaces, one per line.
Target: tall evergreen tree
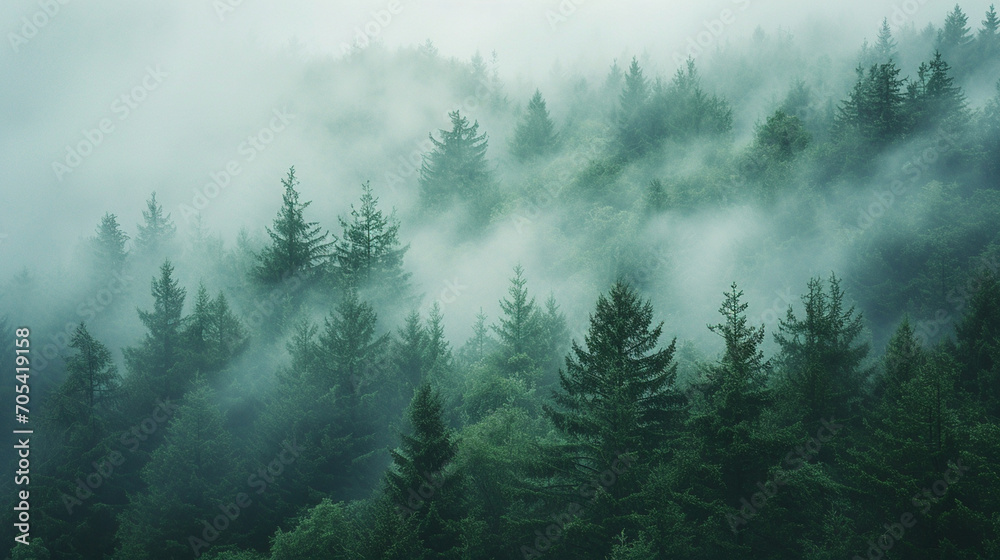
{"x":633,"y":111}
{"x":822,"y":355}
{"x":188,"y":477}
{"x":91,"y":386}
{"x":156,"y":230}
{"x":872,"y":115}
{"x":520,"y":328}
{"x":977,"y":345}
{"x":153,"y":364}
{"x":297,"y":246}
{"x":535,"y":135}
{"x":989,"y":36}
{"x":956,"y":33}
{"x":369,"y":252}
{"x":617,"y":393}
{"x":109,"y":246}
{"x":457,"y":170}
{"x":422,"y":481}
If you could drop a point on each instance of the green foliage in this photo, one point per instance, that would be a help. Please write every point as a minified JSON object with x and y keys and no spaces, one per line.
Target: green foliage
{"x":324,"y":532}
{"x":369,"y":253}
{"x":457,"y":170}
{"x":535,"y":136}
{"x":297,"y":246}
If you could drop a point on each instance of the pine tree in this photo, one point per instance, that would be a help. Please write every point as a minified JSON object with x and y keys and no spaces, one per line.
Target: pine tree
{"x":633,"y":112}
{"x":438,"y":357}
{"x":873,"y":114}
{"x":616,"y":394}
{"x":535,"y":135}
{"x":297,"y":246}
{"x":188,"y":477}
{"x":457,"y":170}
{"x":91,"y":386}
{"x":422,"y":482}
{"x":156,"y":230}
{"x":822,"y":356}
{"x":153,"y":364}
{"x":351,"y":355}
{"x":409,"y":353}
{"x":955,"y":34}
{"x":109,"y":246}
{"x":989,"y":36}
{"x":520,"y":328}
{"x":885,"y":47}
{"x":480,"y":344}
{"x":369,"y":252}
{"x":736,"y":394}
{"x":934,"y":99}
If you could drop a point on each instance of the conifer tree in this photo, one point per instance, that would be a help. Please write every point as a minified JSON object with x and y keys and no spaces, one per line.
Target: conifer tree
{"x":989,"y":36}
{"x":535,"y":135}
{"x":822,"y":356}
{"x":616,"y":394}
{"x":520,"y":328}
{"x":153,"y":363}
{"x":422,"y":482}
{"x":297,"y":246}
{"x":457,"y":170}
{"x":633,"y":111}
{"x":156,"y":230}
{"x":91,"y":386}
{"x":956,"y":33}
{"x":369,"y":251}
{"x":109,"y":246}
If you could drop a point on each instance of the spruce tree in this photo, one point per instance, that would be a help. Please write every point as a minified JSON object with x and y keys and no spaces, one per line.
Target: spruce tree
{"x":297,"y":246}
{"x":156,"y":230}
{"x":633,"y":111}
{"x":88,"y":396}
{"x":422,"y":481}
{"x":822,"y":355}
{"x":153,"y":363}
{"x":109,"y":246}
{"x":520,"y":328}
{"x":617,"y":393}
{"x":956,"y":32}
{"x":369,"y":252}
{"x":989,"y":36}
{"x":457,"y":170}
{"x":535,"y":135}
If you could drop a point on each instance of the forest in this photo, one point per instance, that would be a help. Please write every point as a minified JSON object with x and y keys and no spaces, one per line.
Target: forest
{"x":749,"y":307}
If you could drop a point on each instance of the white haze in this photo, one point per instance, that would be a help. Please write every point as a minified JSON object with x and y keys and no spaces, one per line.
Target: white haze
{"x":225,"y":79}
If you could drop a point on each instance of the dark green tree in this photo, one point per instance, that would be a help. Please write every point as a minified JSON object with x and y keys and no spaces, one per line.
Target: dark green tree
{"x":535,"y":135}
{"x":369,"y":252}
{"x":297,"y":246}
{"x":977,"y":345}
{"x":520,"y":329}
{"x":617,"y":393}
{"x":153,"y":364}
{"x":422,"y":481}
{"x":188,"y":478}
{"x":633,"y":111}
{"x":989,"y":36}
{"x":87,"y":396}
{"x":956,"y":35}
{"x":822,"y":355}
